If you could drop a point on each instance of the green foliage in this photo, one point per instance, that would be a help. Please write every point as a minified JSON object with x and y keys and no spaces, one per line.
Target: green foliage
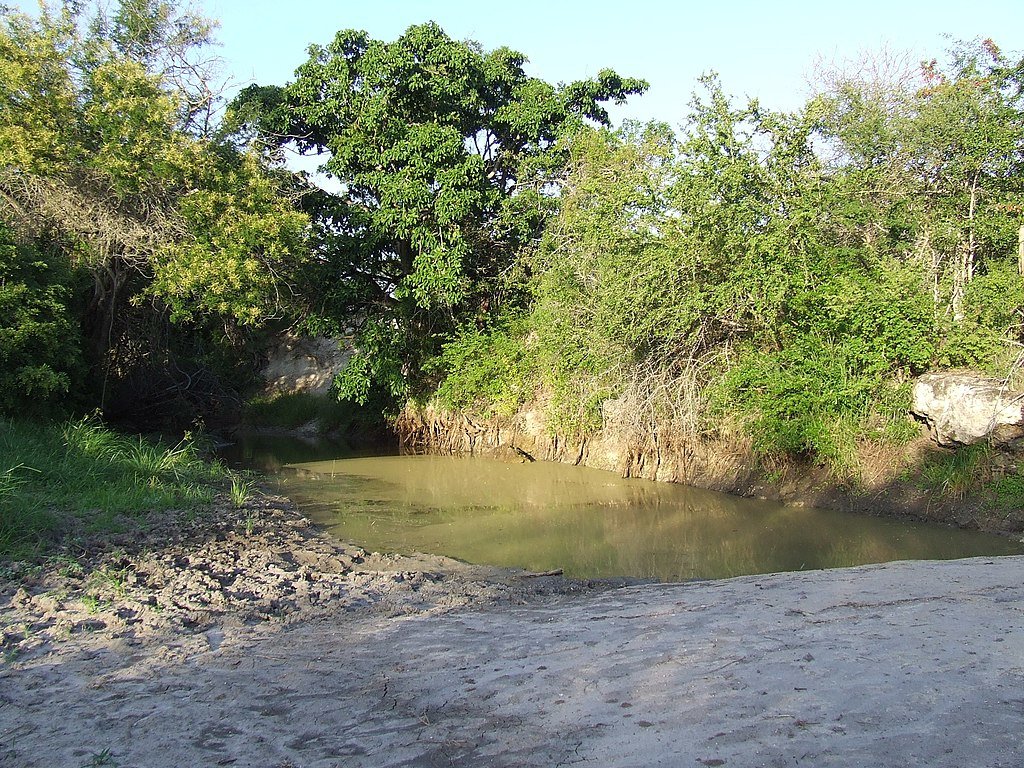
{"x":935,"y":155}
{"x":831,"y":372}
{"x":109,"y":166}
{"x":446,"y":154}
{"x":39,"y":344}
{"x":805,"y":291}
{"x":957,"y":472}
{"x":801,"y":268}
{"x":811,"y":399}
{"x":608,"y":287}
{"x":51,"y":474}
{"x":1007,"y":492}
{"x":993,"y":312}
{"x":485,"y":372}
{"x":245,"y":244}
{"x":971,"y":471}
{"x":37,"y":95}
{"x":241,"y":491}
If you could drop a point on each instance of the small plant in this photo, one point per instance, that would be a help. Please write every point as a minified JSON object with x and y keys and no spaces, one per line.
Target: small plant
{"x":241,"y":491}
{"x":958,"y":472}
{"x":101,"y":759}
{"x":113,"y":579}
{"x":1008,"y":492}
{"x":67,"y":566}
{"x":91,"y":603}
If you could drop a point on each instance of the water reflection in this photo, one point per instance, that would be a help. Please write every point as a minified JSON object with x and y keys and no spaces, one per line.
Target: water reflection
{"x":595,"y":524}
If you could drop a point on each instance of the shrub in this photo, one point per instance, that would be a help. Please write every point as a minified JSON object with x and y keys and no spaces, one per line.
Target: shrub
{"x":487,"y":372}
{"x":993,"y":310}
{"x":40,"y":353}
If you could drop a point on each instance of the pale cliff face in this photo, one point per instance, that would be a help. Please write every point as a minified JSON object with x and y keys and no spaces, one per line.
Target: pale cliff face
{"x":308,"y":365}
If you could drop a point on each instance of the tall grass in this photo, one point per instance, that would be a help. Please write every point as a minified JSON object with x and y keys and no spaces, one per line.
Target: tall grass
{"x":51,"y":474}
{"x":962,"y":471}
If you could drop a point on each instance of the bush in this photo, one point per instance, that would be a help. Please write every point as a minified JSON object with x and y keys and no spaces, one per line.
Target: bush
{"x":40,"y":354}
{"x":486,"y":372}
{"x":816,"y":397}
{"x":993,"y":309}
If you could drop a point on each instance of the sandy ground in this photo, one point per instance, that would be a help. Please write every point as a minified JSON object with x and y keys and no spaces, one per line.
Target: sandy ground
{"x":266,"y":645}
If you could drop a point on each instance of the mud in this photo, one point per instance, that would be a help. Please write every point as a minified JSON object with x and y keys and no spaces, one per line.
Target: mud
{"x":184,"y":572}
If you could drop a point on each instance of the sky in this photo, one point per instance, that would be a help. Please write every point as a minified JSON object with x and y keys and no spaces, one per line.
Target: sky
{"x":767,"y":49}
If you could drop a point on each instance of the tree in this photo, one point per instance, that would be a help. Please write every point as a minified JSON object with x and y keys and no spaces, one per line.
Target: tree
{"x":968,"y":143}
{"x":717,"y":268}
{"x":935,"y":162}
{"x":447,"y":157}
{"x":107,"y":161}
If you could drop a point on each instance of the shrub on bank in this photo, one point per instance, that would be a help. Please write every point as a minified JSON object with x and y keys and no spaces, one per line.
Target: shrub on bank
{"x":39,"y":343}
{"x":486,"y":372}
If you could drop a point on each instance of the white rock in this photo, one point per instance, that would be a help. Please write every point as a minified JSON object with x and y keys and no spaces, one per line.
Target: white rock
{"x":964,"y":408}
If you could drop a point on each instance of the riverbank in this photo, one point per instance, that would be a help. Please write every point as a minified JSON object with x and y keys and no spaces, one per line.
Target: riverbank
{"x":176,"y":574}
{"x":974,"y":488}
{"x":248,"y":638}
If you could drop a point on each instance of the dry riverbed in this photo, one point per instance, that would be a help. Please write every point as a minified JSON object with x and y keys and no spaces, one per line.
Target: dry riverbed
{"x":249,"y":638}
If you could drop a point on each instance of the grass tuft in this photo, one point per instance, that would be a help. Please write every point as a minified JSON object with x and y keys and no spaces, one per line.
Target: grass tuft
{"x":958,"y":472}
{"x":241,"y":491}
{"x":82,"y":470}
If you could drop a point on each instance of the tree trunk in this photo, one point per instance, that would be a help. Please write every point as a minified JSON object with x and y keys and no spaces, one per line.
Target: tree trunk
{"x":969,"y":256}
{"x":965,"y":270}
{"x":1020,"y":250}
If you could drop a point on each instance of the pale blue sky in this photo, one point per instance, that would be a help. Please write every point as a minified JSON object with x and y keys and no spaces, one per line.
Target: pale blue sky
{"x":765,"y":49}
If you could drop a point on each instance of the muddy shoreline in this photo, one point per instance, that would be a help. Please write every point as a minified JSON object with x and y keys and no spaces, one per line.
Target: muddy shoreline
{"x":181,"y":573}
{"x":889,"y":485}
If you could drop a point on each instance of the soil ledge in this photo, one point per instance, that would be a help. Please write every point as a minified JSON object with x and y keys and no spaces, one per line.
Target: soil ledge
{"x":889,"y":485}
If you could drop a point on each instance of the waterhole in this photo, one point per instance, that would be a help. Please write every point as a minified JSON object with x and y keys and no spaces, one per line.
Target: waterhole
{"x":589,"y":523}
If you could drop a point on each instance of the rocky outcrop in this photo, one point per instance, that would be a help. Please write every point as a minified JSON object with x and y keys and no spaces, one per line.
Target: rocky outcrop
{"x":303,"y":364}
{"x":965,"y":408}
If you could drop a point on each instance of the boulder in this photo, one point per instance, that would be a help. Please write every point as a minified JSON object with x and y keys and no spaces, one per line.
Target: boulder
{"x":965,"y":408}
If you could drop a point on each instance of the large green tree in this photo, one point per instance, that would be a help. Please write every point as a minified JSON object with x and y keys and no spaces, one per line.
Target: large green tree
{"x":108,"y":161}
{"x":447,"y":157}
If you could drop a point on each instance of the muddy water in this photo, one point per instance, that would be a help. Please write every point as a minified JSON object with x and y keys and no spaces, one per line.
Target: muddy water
{"x":588,"y":522}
